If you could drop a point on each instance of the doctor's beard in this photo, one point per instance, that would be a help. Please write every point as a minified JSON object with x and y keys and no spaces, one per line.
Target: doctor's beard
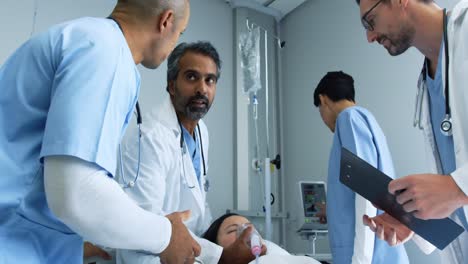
{"x":192,"y":109}
{"x":397,"y":43}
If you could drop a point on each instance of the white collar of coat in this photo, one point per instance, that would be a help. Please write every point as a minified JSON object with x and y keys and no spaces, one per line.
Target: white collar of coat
{"x":166,"y":115}
{"x":459,"y":10}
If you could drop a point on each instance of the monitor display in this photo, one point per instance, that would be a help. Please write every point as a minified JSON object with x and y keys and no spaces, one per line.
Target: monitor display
{"x":312,"y":194}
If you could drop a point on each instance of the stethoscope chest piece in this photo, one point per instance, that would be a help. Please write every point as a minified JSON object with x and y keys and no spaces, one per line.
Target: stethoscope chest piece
{"x":446,"y":126}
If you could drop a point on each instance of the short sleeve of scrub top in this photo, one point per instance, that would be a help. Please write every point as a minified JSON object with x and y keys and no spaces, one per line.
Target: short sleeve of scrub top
{"x":93,"y":94}
{"x":355,"y":134}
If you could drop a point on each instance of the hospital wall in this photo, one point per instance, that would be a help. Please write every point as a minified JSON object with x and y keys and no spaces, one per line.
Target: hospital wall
{"x":327,"y":36}
{"x":210,"y":20}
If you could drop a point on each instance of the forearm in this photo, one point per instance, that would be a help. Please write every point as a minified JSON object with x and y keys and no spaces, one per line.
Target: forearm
{"x":92,"y":204}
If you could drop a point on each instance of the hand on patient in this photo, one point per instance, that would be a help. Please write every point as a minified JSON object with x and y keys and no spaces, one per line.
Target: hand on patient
{"x":388,"y":228}
{"x":239,"y":251}
{"x":182,"y":247}
{"x":428,"y":196}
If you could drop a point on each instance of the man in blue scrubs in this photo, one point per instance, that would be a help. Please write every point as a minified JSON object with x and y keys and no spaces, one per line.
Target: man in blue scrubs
{"x":66,"y":96}
{"x":356,"y":129}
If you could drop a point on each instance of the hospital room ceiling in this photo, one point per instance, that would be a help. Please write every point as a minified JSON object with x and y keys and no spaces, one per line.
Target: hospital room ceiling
{"x":278,"y":7}
{"x":284,"y":6}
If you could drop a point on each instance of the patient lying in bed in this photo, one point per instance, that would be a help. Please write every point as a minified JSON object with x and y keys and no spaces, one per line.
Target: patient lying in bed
{"x":223,"y":231}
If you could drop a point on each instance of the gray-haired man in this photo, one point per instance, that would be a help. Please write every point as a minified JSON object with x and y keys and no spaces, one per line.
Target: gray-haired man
{"x":174,"y":152}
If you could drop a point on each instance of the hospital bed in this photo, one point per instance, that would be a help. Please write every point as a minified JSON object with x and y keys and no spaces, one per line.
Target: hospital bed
{"x":268,"y":259}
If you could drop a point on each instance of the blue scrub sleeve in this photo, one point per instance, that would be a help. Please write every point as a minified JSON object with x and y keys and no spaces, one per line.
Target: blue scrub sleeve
{"x":355,"y":135}
{"x":89,"y":105}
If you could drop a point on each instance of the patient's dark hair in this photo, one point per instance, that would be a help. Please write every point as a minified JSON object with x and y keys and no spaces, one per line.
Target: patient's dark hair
{"x":336,"y":86}
{"x":211,"y":233}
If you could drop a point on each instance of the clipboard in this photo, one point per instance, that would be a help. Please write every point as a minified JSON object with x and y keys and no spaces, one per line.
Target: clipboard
{"x":372,"y":184}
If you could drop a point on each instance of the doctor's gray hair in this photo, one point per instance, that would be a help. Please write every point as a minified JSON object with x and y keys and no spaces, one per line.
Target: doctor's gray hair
{"x":201,"y":47}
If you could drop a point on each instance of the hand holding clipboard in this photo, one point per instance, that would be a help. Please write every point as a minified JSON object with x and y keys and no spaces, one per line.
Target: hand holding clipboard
{"x":372,"y":184}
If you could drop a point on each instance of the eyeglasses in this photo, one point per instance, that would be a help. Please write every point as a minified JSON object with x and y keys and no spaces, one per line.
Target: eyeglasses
{"x":369,"y":25}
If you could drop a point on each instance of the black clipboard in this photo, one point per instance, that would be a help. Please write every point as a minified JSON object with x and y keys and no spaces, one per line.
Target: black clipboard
{"x":372,"y":184}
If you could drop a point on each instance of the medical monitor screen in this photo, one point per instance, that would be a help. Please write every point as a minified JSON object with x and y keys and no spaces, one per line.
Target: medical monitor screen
{"x":313,"y":194}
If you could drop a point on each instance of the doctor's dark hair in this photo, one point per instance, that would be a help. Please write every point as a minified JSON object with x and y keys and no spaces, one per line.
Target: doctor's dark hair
{"x":201,"y":47}
{"x":336,"y":86}
{"x":211,"y":233}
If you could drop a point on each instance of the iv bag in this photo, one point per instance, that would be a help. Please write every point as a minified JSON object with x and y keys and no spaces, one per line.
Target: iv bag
{"x":249,"y":46}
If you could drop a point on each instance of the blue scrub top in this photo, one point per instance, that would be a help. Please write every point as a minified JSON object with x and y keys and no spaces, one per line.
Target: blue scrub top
{"x":68,"y":91}
{"x":193,"y":149}
{"x":444,"y":144}
{"x":357,"y":130}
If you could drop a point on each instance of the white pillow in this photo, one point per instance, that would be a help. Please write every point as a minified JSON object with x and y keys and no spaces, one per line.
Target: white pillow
{"x":277,"y":255}
{"x":273,"y":249}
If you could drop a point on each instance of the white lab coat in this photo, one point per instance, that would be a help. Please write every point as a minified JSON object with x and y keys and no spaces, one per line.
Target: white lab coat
{"x":165,"y":176}
{"x":457,"y":31}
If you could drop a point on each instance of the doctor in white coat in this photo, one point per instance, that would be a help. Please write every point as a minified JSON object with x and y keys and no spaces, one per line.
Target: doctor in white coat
{"x":173,"y":151}
{"x":441,"y":113}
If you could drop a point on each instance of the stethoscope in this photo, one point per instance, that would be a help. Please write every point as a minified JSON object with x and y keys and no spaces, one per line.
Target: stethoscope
{"x":183,"y":151}
{"x":446,"y":124}
{"x":132,"y":183}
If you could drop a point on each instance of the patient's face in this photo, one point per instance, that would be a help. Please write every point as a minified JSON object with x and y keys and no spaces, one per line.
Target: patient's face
{"x":227,"y":233}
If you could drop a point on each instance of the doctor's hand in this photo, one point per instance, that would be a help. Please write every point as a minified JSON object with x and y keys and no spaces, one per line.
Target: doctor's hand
{"x":239,"y":251}
{"x":182,"y":247}
{"x":90,"y":250}
{"x":388,"y":228}
{"x":428,"y":196}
